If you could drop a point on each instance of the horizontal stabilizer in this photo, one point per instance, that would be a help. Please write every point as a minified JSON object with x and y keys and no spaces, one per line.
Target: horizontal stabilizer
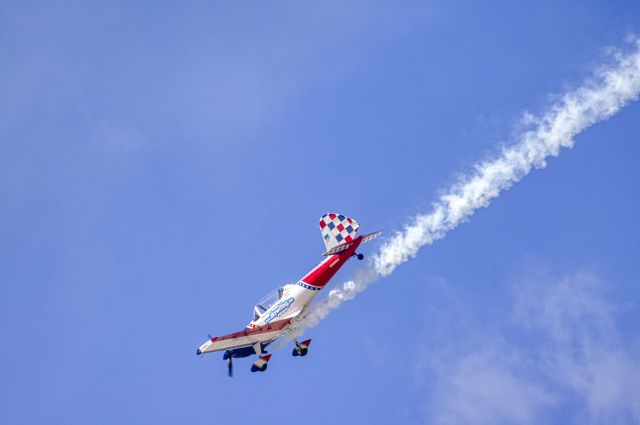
{"x":370,"y":236}
{"x":347,"y":245}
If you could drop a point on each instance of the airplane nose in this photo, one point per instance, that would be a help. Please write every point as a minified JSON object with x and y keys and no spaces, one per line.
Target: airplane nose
{"x":198,"y":352}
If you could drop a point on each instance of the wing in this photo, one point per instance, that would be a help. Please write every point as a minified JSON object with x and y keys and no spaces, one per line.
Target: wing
{"x":245,"y":338}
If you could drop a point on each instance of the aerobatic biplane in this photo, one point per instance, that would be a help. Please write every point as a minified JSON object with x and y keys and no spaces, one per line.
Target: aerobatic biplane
{"x":281,"y":310}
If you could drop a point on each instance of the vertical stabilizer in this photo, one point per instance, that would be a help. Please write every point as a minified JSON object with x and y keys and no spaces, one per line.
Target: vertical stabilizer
{"x":337,"y":229}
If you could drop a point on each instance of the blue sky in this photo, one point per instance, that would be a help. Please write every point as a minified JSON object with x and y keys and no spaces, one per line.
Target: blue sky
{"x":162,"y":166}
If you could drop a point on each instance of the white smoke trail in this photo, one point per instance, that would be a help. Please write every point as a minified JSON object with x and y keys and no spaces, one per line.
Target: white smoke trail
{"x":611,"y":88}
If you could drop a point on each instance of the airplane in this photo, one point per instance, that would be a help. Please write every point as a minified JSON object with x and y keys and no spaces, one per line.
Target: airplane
{"x":279,"y":312}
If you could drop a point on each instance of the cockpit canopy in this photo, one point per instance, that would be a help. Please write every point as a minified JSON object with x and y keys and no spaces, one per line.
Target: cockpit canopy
{"x":266,"y":302}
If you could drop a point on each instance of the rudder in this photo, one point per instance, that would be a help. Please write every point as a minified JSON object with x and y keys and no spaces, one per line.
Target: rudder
{"x":337,"y":229}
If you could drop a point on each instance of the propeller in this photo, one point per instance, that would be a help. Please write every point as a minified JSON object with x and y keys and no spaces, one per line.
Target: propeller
{"x":230,"y":367}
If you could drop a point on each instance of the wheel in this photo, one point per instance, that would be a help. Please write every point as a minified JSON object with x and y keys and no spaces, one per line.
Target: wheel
{"x":256,"y":368}
{"x":304,"y":352}
{"x":360,"y":256}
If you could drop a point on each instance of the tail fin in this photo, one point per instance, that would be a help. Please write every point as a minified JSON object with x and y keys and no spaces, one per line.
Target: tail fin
{"x":337,"y":229}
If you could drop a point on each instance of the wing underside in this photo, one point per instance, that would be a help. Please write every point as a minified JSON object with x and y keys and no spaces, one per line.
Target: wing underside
{"x":245,"y":338}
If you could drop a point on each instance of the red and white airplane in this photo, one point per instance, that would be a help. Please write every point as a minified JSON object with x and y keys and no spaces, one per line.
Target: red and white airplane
{"x":279,"y":312}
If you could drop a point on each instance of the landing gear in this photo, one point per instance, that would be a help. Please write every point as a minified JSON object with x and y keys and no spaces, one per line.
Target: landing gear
{"x":259,"y":365}
{"x":301,"y":349}
{"x":360,"y":256}
{"x":257,"y":368}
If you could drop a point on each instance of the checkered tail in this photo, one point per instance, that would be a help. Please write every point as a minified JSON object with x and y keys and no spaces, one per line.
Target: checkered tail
{"x":337,"y":229}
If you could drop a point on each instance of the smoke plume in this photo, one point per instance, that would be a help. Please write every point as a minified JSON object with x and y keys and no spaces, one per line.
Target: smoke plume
{"x":611,"y":88}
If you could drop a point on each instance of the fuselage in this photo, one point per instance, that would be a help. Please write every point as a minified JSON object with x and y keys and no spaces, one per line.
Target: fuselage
{"x":297,"y":296}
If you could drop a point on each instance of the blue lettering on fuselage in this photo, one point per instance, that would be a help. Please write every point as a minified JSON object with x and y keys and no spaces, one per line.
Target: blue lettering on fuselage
{"x":280,"y":308}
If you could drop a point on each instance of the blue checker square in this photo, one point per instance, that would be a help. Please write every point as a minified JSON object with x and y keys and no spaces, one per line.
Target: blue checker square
{"x":349,"y":228}
{"x":331,"y":225}
{"x":339,"y":238}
